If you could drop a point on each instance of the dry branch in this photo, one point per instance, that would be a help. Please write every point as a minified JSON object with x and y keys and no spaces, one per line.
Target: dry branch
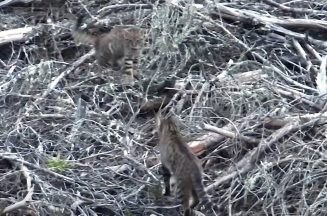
{"x":231,"y":135}
{"x":312,"y":51}
{"x":274,"y":23}
{"x":285,"y":22}
{"x":298,"y":96}
{"x":105,"y":10}
{"x":256,"y":55}
{"x":250,"y":76}
{"x":28,"y":198}
{"x":292,"y":9}
{"x":54,"y":83}
{"x":303,"y":55}
{"x":242,"y":78}
{"x":10,"y":2}
{"x":252,"y":157}
{"x":13,"y":35}
{"x":282,"y":121}
{"x":208,"y":141}
{"x":229,"y":72}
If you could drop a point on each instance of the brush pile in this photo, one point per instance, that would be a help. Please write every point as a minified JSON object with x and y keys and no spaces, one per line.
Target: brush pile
{"x":246,"y":78}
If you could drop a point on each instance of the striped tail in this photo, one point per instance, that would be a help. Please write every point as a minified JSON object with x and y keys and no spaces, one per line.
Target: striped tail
{"x":202,"y":194}
{"x":131,"y":66}
{"x":184,"y":194}
{"x":129,"y":69}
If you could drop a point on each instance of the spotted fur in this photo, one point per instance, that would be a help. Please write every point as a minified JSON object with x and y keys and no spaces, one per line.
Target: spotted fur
{"x":120,"y":47}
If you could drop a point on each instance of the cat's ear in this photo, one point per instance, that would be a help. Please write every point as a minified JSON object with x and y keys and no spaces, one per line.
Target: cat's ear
{"x":125,"y":32}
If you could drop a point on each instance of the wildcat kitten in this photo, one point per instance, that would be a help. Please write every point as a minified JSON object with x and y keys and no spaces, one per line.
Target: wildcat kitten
{"x":121,"y":46}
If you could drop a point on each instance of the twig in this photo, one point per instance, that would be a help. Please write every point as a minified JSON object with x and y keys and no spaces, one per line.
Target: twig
{"x":205,"y":87}
{"x":298,"y":36}
{"x":10,"y":2}
{"x":296,"y":10}
{"x":274,"y":23}
{"x":245,"y":14}
{"x":105,"y":10}
{"x":282,"y":121}
{"x":13,"y":35}
{"x":54,"y":83}
{"x":180,"y":104}
{"x":87,"y":11}
{"x":208,"y":141}
{"x":302,"y":54}
{"x":312,"y":51}
{"x":250,"y":76}
{"x":230,"y":134}
{"x":256,"y":55}
{"x":287,"y":78}
{"x":28,"y":197}
{"x":297,"y":95}
{"x":250,"y":159}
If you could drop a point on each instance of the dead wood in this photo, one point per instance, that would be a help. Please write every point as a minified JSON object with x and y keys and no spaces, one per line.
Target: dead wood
{"x":280,"y":121}
{"x":27,"y":199}
{"x":252,"y":157}
{"x":274,"y":23}
{"x":14,"y":35}
{"x":247,"y":79}
{"x":6,"y":3}
{"x":288,"y":22}
{"x":230,"y":134}
{"x":295,"y":10}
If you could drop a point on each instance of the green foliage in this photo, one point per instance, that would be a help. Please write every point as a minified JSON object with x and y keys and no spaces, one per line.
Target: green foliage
{"x":58,"y":164}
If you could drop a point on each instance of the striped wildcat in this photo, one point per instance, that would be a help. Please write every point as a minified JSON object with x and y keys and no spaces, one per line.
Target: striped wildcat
{"x":179,"y":163}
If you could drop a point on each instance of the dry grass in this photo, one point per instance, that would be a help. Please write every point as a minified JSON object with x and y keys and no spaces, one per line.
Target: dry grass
{"x":72,"y":136}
